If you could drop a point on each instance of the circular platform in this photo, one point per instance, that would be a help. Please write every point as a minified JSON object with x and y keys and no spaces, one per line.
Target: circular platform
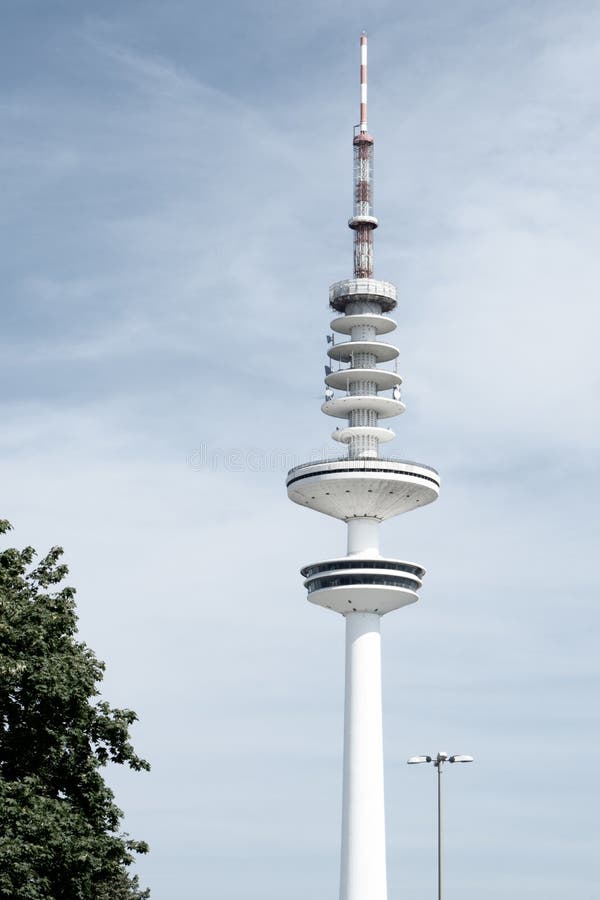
{"x":381,"y":324}
{"x":356,"y":584}
{"x":356,"y":221}
{"x":346,"y":350}
{"x":345,"y":435}
{"x":369,"y":290}
{"x":385,"y":407}
{"x":380,"y":377}
{"x":375,"y":488}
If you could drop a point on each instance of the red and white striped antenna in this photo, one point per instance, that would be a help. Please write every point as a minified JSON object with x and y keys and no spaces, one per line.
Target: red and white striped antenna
{"x":363,"y":82}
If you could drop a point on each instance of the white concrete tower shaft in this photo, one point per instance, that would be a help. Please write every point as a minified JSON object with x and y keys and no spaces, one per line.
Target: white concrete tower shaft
{"x":363,"y":489}
{"x":363,"y":864}
{"x":363,"y":858}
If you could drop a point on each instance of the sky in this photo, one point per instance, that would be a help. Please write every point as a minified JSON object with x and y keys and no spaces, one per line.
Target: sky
{"x":176,"y":180}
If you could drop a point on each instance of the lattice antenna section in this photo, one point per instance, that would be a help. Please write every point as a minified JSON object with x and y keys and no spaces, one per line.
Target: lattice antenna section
{"x":363,"y":221}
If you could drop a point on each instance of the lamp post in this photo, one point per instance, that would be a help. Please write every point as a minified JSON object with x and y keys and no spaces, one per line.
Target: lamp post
{"x":438,"y":761}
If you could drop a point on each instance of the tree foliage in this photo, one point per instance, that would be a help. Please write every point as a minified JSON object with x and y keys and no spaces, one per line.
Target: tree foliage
{"x":59,"y":825}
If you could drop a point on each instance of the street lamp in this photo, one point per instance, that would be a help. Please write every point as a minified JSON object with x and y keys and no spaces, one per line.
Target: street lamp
{"x":438,"y":762}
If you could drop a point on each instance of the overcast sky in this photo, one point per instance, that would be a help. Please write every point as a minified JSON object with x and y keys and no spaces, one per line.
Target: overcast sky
{"x":176,"y":182}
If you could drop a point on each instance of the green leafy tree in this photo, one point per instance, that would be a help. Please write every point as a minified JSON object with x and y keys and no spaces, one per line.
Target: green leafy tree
{"x":59,"y":825}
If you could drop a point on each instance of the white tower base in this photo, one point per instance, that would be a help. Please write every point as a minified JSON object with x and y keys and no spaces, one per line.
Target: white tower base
{"x":363,"y":866}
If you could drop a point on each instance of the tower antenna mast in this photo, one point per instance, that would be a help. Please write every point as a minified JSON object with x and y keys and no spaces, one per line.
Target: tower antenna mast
{"x":363,"y":82}
{"x":363,"y":222}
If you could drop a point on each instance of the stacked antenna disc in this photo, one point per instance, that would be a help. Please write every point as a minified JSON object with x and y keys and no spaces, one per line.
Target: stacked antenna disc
{"x":360,"y":376}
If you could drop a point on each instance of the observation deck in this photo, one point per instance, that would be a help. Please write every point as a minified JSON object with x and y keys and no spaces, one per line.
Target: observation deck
{"x":376,"y":487}
{"x":355,"y":584}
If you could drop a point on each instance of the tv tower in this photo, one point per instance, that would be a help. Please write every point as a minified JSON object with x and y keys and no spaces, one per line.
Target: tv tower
{"x":363,"y":489}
